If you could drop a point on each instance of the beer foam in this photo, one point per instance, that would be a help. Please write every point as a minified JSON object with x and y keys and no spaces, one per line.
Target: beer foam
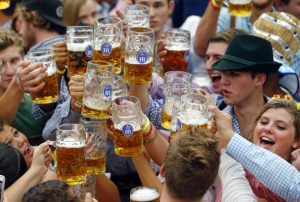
{"x":96,"y":104}
{"x":70,"y":142}
{"x":177,"y":47}
{"x":77,"y":47}
{"x":50,"y":68}
{"x":133,"y":61}
{"x":144,"y":194}
{"x":193,"y":119}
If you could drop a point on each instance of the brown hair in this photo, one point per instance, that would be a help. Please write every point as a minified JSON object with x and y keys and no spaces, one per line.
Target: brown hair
{"x":226,"y":35}
{"x":9,"y":38}
{"x":192,"y":160}
{"x":38,"y":21}
{"x":71,"y":11}
{"x":289,"y":106}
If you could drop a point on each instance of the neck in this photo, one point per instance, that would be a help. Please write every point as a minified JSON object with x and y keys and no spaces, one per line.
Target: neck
{"x":258,"y":10}
{"x":165,"y":196}
{"x":272,"y":87}
{"x":42,"y":35}
{"x":158,"y":35}
{"x":247,"y":111}
{"x":4,"y":18}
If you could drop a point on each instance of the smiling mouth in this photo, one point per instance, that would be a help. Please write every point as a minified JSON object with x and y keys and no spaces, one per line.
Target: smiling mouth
{"x":215,"y":78}
{"x":27,"y":150}
{"x":266,"y":141}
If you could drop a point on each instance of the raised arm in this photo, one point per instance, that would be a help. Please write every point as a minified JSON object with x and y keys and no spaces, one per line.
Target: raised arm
{"x":206,"y":27}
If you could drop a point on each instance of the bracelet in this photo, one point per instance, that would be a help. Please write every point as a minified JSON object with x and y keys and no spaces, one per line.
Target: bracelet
{"x":148,"y":133}
{"x":215,"y":5}
{"x":61,"y":71}
{"x":148,"y":140}
{"x":146,"y":127}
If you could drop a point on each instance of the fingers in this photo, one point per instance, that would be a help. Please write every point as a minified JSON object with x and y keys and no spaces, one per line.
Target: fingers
{"x":120,"y":14}
{"x":76,"y":86}
{"x":89,"y":198}
{"x":296,"y":154}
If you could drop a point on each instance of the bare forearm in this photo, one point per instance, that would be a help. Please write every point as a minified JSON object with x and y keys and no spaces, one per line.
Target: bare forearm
{"x":145,"y":172}
{"x":10,"y":102}
{"x":141,"y":92}
{"x":207,"y":26}
{"x":157,"y":148}
{"x":106,"y":190}
{"x":16,"y":191}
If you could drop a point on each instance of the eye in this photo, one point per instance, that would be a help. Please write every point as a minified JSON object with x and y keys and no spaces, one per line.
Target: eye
{"x":16,"y":133}
{"x":207,"y":57}
{"x":157,"y":5}
{"x":15,"y":60}
{"x":280,"y":127}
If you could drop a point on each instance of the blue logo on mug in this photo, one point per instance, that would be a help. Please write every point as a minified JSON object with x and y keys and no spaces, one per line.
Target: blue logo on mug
{"x":106,"y":48}
{"x":127,"y":130}
{"x":178,"y":125}
{"x":107,"y":91}
{"x":141,"y":57}
{"x":89,"y":51}
{"x":187,"y":56}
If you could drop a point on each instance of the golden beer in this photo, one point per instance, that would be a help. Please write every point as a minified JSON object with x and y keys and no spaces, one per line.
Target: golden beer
{"x":128,"y":146}
{"x":4,"y":4}
{"x":95,"y":109}
{"x":138,"y":73}
{"x":49,"y":93}
{"x":240,"y":8}
{"x":176,"y":60}
{"x":144,"y":194}
{"x":114,"y":57}
{"x":71,"y":164}
{"x":79,"y":55}
{"x":97,"y":163}
{"x":166,"y":115}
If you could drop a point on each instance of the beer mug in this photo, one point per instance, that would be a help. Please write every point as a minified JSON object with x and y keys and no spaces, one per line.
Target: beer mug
{"x":119,"y":88}
{"x":139,"y":52}
{"x":95,"y":153}
{"x":173,"y":93}
{"x":240,"y":8}
{"x":137,"y":15}
{"x":144,"y":194}
{"x":70,"y":149}
{"x":50,"y":92}
{"x":127,"y":119}
{"x":178,"y":45}
{"x":80,"y":48}
{"x":193,"y":109}
{"x":108,"y":41}
{"x":4,"y":4}
{"x":97,"y":90}
{"x":177,"y":76}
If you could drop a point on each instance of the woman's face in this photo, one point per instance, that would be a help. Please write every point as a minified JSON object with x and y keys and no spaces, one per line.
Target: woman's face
{"x":88,"y":12}
{"x":275,"y":131}
{"x":17,"y":140}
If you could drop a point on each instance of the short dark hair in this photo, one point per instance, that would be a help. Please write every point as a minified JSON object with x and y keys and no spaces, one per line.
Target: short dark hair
{"x":52,"y":191}
{"x":286,"y":2}
{"x":191,"y":163}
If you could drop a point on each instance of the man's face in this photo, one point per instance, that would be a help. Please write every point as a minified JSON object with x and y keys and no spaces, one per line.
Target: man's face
{"x":293,"y":8}
{"x":27,"y":34}
{"x":159,"y":13}
{"x":237,"y":86}
{"x":17,"y":140}
{"x":214,"y":52}
{"x":10,"y":58}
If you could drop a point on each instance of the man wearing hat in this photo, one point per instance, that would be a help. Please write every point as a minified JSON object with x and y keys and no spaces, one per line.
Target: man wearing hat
{"x":41,"y":23}
{"x":245,"y":67}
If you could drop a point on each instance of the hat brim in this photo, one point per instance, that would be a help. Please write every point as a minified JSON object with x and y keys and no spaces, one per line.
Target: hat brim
{"x":55,"y":21}
{"x":231,"y":65}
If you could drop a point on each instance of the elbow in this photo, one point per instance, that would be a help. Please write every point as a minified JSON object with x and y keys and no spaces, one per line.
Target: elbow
{"x":199,"y":49}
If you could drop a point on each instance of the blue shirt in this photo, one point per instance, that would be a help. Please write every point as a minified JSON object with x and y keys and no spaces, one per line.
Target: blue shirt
{"x":274,"y":172}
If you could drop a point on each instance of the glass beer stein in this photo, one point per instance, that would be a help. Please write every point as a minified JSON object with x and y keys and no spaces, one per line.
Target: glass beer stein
{"x":139,"y":52}
{"x":97,"y":90}
{"x":240,"y":8}
{"x":70,"y":148}
{"x":96,"y":152}
{"x":108,"y":38}
{"x":50,"y":92}
{"x":144,"y":194}
{"x":126,"y":115}
{"x":178,"y":45}
{"x":80,"y":48}
{"x":137,"y":15}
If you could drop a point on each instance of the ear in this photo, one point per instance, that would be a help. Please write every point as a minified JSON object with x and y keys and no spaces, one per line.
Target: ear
{"x":296,"y":144}
{"x":278,"y":5}
{"x":260,"y":79}
{"x":170,"y":7}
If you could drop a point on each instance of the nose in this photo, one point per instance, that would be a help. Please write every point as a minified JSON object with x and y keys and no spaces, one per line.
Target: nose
{"x":91,"y":20}
{"x":224,"y":80}
{"x":8,"y":69}
{"x":19,"y":142}
{"x":268,"y":128}
{"x":152,"y":12}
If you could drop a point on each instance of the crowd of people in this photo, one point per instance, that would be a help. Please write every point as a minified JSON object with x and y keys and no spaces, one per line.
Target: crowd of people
{"x":250,"y":150}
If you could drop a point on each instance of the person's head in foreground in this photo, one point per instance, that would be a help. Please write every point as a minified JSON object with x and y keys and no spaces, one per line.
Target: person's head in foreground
{"x":191,"y":165}
{"x":277,"y":127}
{"x":53,"y":190}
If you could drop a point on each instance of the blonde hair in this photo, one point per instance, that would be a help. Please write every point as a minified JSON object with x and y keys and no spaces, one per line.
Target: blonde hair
{"x":9,"y":38}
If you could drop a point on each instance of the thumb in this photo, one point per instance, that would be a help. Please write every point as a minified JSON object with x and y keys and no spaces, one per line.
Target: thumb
{"x":120,"y":14}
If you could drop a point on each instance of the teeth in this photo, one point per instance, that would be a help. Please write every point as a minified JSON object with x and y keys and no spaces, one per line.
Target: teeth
{"x":267,"y":139}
